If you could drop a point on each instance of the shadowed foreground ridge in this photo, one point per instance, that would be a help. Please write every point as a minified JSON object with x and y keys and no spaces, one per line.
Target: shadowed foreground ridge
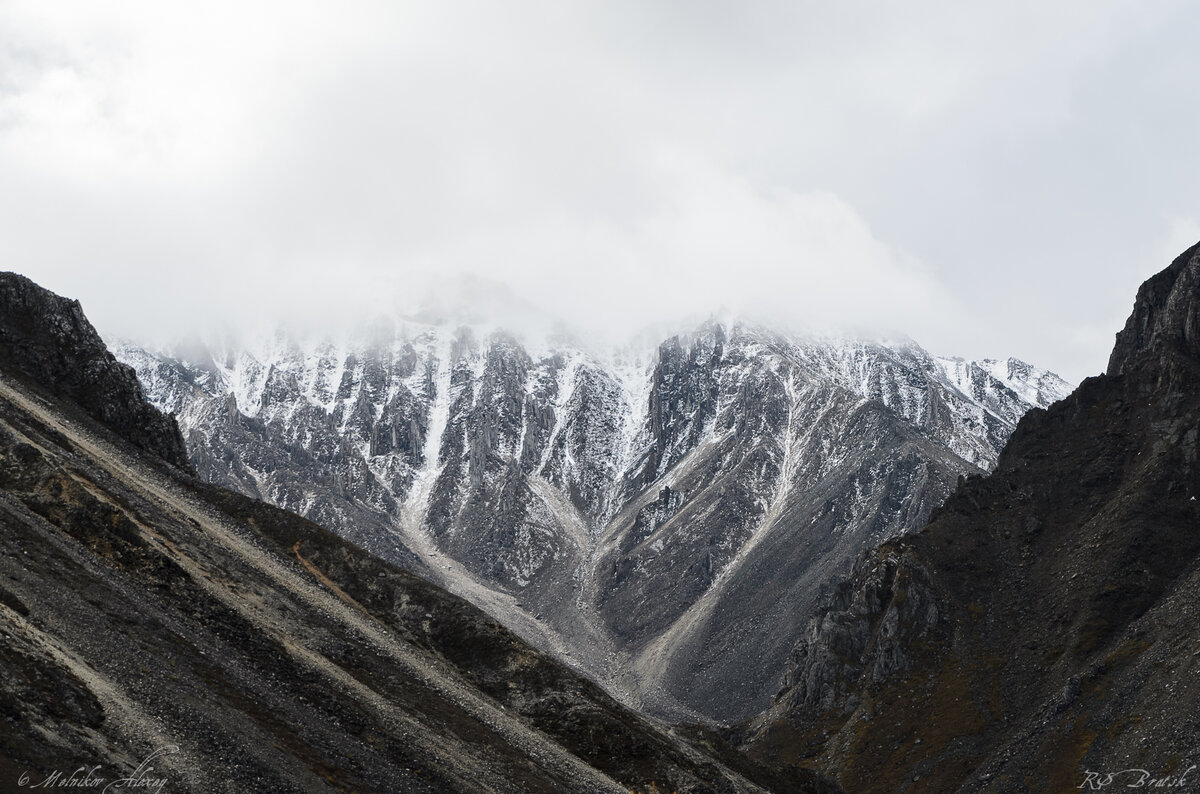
{"x":46,"y":339}
{"x":143,"y":612}
{"x":1043,"y":626}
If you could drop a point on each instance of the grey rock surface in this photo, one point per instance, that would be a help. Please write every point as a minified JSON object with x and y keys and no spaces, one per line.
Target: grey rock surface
{"x":1043,"y":625}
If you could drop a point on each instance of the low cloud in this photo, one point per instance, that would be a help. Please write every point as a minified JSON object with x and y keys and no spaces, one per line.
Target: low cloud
{"x":617,"y":164}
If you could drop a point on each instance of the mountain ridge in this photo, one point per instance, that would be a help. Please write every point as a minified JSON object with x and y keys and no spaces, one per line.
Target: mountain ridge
{"x":170,"y":633}
{"x":568,"y":491}
{"x":46,"y":339}
{"x":1039,"y":628}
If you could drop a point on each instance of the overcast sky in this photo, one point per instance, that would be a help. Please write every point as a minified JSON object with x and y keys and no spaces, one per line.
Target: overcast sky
{"x":991,"y":178}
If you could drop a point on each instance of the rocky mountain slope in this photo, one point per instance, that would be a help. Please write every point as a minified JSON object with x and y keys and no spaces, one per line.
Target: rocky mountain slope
{"x":45,"y":338}
{"x":658,"y":517}
{"x":159,"y":632}
{"x":1041,"y":632}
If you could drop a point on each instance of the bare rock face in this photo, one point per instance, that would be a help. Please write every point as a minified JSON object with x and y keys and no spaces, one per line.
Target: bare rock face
{"x":861,"y":635}
{"x":46,"y":339}
{"x":658,"y":515}
{"x":1165,"y":318}
{"x":1042,"y":626}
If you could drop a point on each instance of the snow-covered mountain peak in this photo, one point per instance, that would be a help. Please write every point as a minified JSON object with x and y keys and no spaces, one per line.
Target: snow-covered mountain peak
{"x":637,"y":496}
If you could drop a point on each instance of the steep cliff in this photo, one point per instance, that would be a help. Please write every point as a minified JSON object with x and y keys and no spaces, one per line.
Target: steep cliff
{"x":1042,"y":627}
{"x":46,"y":339}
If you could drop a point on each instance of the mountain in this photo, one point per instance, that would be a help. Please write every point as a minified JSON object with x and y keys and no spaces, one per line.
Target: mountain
{"x":161,"y":632}
{"x":656,"y":516}
{"x":45,"y":339}
{"x":1040,"y":633}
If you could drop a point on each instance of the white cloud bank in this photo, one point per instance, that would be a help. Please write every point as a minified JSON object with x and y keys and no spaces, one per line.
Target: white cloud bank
{"x":916,"y":167}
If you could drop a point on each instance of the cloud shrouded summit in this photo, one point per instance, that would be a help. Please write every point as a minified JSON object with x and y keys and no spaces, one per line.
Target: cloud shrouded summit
{"x":989,"y":179}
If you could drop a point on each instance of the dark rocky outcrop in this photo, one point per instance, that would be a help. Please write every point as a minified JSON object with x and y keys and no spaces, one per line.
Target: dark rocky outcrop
{"x":46,"y":339}
{"x":1042,"y":626}
{"x":1165,"y":318}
